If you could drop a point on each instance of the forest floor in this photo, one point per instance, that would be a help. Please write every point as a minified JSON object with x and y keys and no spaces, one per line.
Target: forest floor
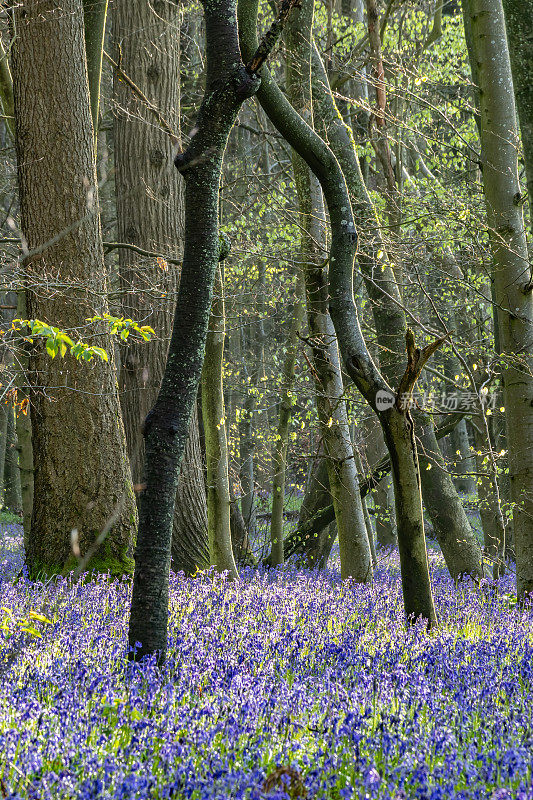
{"x":283,"y":679}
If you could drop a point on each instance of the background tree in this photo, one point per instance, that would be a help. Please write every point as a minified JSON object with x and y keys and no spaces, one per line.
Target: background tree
{"x":149,"y":207}
{"x":82,"y":479}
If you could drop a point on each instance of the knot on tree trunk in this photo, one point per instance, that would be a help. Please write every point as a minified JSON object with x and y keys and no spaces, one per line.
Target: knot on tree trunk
{"x":246,"y":83}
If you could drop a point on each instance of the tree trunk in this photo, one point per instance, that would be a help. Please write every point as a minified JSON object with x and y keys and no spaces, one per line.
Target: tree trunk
{"x":457,"y":540}
{"x":150,"y":215}
{"x":12,"y":490}
{"x":3,"y":444}
{"x":512,"y":287}
{"x":82,"y":479}
{"x":317,"y":511}
{"x":228,"y":84}
{"x":247,"y":437}
{"x":355,"y":556}
{"x":95,"y":15}
{"x":519,"y":26}
{"x":24,"y":439}
{"x":281,"y":441}
{"x":489,"y":509}
{"x":384,"y":506}
{"x":464,"y":463}
{"x":216,"y":446}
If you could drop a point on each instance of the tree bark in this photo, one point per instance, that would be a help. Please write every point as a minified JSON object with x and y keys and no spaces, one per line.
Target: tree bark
{"x":150,"y":215}
{"x":519,"y":26}
{"x":512,"y":288}
{"x":82,"y":478}
{"x":279,"y":457}
{"x":216,"y":446}
{"x":95,"y":15}
{"x":228,"y":84}
{"x":12,"y":490}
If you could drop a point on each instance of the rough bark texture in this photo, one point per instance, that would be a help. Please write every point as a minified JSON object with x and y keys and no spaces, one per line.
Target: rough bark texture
{"x":82,"y":477}
{"x":519,"y":25}
{"x":216,"y":446}
{"x":228,"y":84}
{"x":150,"y":215}
{"x":499,"y":137}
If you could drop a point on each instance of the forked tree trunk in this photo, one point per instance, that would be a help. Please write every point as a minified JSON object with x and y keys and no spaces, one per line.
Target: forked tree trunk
{"x":456,"y":538}
{"x":512,"y":287}
{"x":82,"y":478}
{"x":150,"y":215}
{"x":395,"y":420}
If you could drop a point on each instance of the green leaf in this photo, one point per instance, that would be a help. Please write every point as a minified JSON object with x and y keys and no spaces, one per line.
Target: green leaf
{"x":51,"y":347}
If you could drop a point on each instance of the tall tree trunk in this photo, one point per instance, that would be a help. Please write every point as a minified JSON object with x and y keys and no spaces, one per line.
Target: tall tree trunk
{"x":150,"y":215}
{"x":279,"y":457}
{"x":512,"y":287}
{"x":12,"y":490}
{"x":519,"y":26}
{"x":355,"y":555}
{"x":216,"y":446}
{"x":82,"y":479}
{"x":95,"y":15}
{"x":23,"y":420}
{"x":24,"y":438}
{"x":247,"y":434}
{"x":3,"y":445}
{"x":228,"y":84}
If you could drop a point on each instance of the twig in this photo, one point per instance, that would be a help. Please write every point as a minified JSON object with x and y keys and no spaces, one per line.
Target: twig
{"x":109,"y":246}
{"x":142,"y":97}
{"x":271,"y":37}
